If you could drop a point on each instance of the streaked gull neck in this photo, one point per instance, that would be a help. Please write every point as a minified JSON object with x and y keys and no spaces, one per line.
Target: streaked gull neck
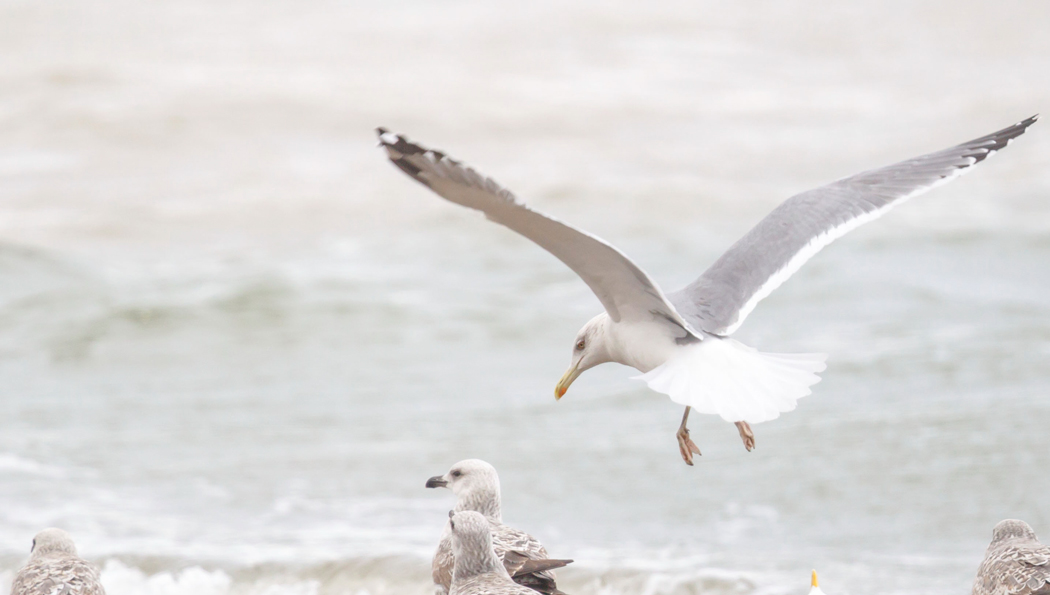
{"x":472,"y":546}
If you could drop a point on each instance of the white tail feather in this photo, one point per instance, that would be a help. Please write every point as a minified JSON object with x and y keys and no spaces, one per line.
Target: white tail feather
{"x":727,"y":378}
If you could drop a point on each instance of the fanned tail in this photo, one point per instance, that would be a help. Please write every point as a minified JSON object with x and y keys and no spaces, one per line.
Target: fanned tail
{"x":739,"y":383}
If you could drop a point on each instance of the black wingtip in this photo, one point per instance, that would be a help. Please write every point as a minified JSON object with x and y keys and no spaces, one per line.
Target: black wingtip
{"x":408,"y":168}
{"x":398,"y":149}
{"x":986,"y":146}
{"x":380,"y":131}
{"x":1024,"y":124}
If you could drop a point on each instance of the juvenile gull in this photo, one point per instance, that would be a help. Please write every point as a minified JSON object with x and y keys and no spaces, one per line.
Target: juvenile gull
{"x":55,"y":569}
{"x":1015,"y":563}
{"x":476,"y":486}
{"x":478,"y":571}
{"x":681,"y":341}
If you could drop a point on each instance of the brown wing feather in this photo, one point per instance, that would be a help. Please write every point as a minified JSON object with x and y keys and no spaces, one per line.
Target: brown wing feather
{"x":533,"y":566}
{"x":443,"y":563}
{"x":508,"y":540}
{"x":67,"y":575}
{"x":1014,"y":569}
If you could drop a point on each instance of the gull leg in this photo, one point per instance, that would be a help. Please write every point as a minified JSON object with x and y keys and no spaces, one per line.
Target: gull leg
{"x":746,"y":435}
{"x":687,"y":447}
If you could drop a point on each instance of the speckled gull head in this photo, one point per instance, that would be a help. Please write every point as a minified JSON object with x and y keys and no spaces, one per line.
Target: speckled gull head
{"x":472,"y":546}
{"x":50,"y":542}
{"x":476,"y":486}
{"x":1012,"y":529}
{"x":681,"y":341}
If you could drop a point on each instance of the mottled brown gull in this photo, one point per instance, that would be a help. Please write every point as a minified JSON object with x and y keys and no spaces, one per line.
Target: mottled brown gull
{"x":478,"y":571}
{"x":681,"y":341}
{"x":476,"y":486}
{"x":1015,"y":563}
{"x":55,"y":569}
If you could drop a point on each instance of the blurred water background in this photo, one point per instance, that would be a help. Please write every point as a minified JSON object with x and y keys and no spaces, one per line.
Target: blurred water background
{"x":234,"y":341}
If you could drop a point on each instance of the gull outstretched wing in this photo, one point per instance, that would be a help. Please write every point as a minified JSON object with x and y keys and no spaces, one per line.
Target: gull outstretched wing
{"x":624,"y":289}
{"x":720,"y":300}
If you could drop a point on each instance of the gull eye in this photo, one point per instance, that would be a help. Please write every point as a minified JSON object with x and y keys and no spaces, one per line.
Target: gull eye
{"x":34,"y":546}
{"x":580,"y":345}
{"x":457,"y":473}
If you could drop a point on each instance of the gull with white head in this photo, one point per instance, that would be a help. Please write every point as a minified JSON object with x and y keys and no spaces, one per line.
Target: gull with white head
{"x":54,"y":568}
{"x":476,"y":486}
{"x":680,"y":341}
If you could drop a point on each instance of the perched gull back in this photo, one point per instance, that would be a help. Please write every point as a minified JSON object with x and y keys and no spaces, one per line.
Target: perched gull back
{"x":54,"y":568}
{"x":680,"y":341}
{"x":1015,"y":563}
{"x":476,"y":486}
{"x":478,"y":571}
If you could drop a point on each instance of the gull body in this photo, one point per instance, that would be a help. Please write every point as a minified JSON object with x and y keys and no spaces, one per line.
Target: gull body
{"x":478,"y":571}
{"x":1015,"y":562}
{"x":681,"y":341}
{"x":55,"y":568}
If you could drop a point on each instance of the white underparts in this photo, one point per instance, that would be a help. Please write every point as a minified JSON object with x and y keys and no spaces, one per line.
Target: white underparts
{"x":727,"y":378}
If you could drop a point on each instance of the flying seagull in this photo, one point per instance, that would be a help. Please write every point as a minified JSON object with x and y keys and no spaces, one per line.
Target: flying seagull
{"x":1015,"y":563}
{"x":681,"y":341}
{"x":478,"y":570}
{"x":55,"y":569}
{"x":476,"y":486}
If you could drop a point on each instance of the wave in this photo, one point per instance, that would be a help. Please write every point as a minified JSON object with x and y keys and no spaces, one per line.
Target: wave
{"x":399,"y":575}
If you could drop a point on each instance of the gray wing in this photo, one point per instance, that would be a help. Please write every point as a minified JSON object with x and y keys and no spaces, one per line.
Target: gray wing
{"x":1018,"y":568}
{"x":51,"y":576}
{"x":625,"y":291}
{"x":720,"y":300}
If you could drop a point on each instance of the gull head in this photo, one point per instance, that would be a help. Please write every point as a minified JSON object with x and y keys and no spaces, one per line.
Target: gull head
{"x":1012,"y":529}
{"x":589,"y":350}
{"x":468,"y":526}
{"x":476,"y":486}
{"x":52,"y":541}
{"x":472,"y":546}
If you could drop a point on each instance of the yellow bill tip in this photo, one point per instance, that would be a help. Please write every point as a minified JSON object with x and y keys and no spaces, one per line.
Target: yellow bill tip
{"x":559,"y":392}
{"x":814,"y":581}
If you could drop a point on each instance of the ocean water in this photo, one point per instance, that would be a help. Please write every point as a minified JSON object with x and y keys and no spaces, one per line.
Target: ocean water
{"x":234,"y":341}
